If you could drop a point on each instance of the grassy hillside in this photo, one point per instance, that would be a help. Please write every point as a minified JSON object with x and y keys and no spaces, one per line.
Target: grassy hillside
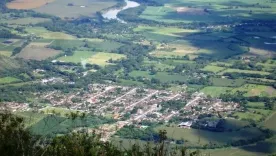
{"x":7,"y":63}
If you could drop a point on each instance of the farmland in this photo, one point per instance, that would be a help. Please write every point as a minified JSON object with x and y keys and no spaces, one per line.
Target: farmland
{"x":27,"y":4}
{"x":204,"y":71}
{"x":102,"y":58}
{"x":162,"y":76}
{"x":199,"y":11}
{"x":37,"y":51}
{"x":61,"y":8}
{"x":205,"y":137}
{"x":99,"y":58}
{"x":77,"y":57}
{"x":42,"y":32}
{"x":27,"y":20}
{"x":6,"y":80}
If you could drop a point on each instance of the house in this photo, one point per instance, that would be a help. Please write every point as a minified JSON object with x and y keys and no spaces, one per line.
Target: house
{"x":186,"y":124}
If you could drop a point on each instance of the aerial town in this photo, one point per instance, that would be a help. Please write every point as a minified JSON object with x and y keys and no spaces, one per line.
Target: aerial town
{"x":130,"y":105}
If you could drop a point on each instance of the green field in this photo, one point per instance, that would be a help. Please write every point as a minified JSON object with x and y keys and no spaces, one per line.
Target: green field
{"x":214,"y":69}
{"x":31,"y":118}
{"x":230,"y":70}
{"x":55,"y":110}
{"x":256,"y":90}
{"x":248,"y":116}
{"x":195,"y":48}
{"x":159,"y":66}
{"x":7,"y":80}
{"x":224,"y":82}
{"x":270,"y":122}
{"x":27,"y":20}
{"x":215,"y":91}
{"x":46,"y":34}
{"x":208,"y":11}
{"x":37,"y":51}
{"x":259,"y":105}
{"x":102,"y":58}
{"x":80,"y":8}
{"x":77,"y":57}
{"x":99,"y":58}
{"x":6,"y":53}
{"x":162,"y":76}
{"x":202,"y":137}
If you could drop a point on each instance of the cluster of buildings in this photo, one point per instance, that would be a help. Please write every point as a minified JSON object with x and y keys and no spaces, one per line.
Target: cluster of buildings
{"x":132,"y":105}
{"x":14,"y":107}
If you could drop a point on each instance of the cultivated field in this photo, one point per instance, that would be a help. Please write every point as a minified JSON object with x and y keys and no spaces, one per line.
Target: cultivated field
{"x":215,"y":91}
{"x":27,"y":20}
{"x":28,"y":4}
{"x":162,"y":76}
{"x":6,"y":53}
{"x":77,"y":57}
{"x":44,"y":33}
{"x":202,"y":137}
{"x":209,"y":11}
{"x":78,"y":8}
{"x":37,"y":51}
{"x":99,"y":58}
{"x":102,"y":58}
{"x":257,"y":90}
{"x":230,"y":70}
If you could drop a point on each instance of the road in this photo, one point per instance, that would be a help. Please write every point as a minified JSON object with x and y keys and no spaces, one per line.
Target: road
{"x":119,"y":98}
{"x":106,"y":90}
{"x":136,"y":103}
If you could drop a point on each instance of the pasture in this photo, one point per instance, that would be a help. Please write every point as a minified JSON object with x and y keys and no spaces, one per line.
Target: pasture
{"x":256,"y":90}
{"x":163,"y":34}
{"x":46,"y":34}
{"x":202,"y":137}
{"x":37,"y":51}
{"x":248,"y":116}
{"x":270,"y":122}
{"x":99,"y":58}
{"x":215,"y":91}
{"x":224,"y":82}
{"x":195,"y":48}
{"x":231,"y":70}
{"x":58,"y":111}
{"x":102,"y":58}
{"x":162,"y":76}
{"x":6,"y":53}
{"x":30,"y":118}
{"x":76,"y":9}
{"x":85,"y":44}
{"x":78,"y":57}
{"x":159,"y":66}
{"x":209,"y":11}
{"x":7,"y":80}
{"x":27,"y":4}
{"x":259,"y":105}
{"x":214,"y":69}
{"x":27,"y":20}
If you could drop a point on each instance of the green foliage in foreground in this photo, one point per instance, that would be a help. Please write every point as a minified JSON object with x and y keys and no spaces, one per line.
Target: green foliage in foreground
{"x":16,"y":140}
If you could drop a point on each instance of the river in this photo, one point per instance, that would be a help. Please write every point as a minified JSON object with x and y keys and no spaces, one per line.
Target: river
{"x":112,"y":14}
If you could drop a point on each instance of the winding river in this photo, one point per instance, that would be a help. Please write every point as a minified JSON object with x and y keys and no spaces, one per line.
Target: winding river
{"x":112,"y":14}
